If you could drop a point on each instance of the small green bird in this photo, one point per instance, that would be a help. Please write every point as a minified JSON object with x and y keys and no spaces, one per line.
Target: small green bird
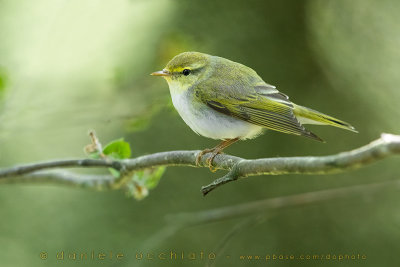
{"x":222,"y":99}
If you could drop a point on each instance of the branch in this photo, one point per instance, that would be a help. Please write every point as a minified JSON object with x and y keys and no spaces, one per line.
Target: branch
{"x":383,"y":147}
{"x":94,"y":181}
{"x":258,"y":211}
{"x":260,"y":207}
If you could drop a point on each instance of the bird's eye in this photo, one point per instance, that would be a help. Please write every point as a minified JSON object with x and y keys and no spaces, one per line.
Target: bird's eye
{"x":186,"y":72}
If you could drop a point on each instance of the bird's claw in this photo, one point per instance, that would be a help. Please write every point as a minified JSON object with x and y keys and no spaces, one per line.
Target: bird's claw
{"x":198,"y":158}
{"x":209,"y":160}
{"x":209,"y":163}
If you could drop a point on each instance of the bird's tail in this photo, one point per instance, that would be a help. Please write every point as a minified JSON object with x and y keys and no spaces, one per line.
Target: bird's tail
{"x":309,"y":116}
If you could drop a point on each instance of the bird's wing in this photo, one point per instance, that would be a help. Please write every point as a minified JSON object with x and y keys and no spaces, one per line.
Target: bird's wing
{"x":261,"y":104}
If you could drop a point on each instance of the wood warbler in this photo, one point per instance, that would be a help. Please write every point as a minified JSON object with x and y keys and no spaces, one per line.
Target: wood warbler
{"x":225,"y":100}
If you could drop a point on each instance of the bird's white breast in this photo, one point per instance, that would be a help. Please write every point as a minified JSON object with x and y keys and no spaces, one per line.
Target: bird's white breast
{"x":208,"y":122}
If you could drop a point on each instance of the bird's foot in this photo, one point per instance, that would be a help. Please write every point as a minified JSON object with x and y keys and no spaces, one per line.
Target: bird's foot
{"x":215,"y":151}
{"x":198,"y":158}
{"x":210,"y":159}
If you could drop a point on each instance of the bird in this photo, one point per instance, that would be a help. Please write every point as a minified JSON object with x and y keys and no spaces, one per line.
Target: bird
{"x":225,"y":100}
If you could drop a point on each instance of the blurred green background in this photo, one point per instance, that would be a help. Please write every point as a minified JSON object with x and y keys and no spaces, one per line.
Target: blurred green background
{"x":70,"y":66}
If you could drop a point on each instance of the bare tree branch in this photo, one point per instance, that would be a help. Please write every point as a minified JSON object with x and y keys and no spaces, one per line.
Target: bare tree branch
{"x":260,"y":207}
{"x":383,"y":147}
{"x":260,"y":210}
{"x":92,"y":181}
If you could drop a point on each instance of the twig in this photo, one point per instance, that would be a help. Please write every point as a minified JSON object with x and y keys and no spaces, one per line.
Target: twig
{"x":263,"y":209}
{"x":263,"y":206}
{"x":383,"y":147}
{"x":91,"y":181}
{"x":243,"y":225}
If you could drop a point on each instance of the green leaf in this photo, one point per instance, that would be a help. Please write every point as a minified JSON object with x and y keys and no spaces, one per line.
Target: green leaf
{"x":117,"y":149}
{"x":94,"y":155}
{"x":114,"y":172}
{"x":154,"y":177}
{"x":143,"y":181}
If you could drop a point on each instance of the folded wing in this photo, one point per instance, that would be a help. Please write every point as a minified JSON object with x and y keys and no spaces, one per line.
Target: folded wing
{"x":262,"y":105}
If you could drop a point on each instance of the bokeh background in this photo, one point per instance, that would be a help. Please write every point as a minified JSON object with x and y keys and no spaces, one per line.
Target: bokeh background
{"x":70,"y":66}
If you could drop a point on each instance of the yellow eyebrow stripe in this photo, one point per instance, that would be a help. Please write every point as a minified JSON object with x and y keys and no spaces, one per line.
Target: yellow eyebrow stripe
{"x":180,"y":69}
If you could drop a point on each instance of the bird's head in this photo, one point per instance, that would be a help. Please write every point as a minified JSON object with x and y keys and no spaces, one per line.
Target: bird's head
{"x":185,"y":69}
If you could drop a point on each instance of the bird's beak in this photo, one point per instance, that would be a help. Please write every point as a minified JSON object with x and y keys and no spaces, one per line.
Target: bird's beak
{"x":161,"y":73}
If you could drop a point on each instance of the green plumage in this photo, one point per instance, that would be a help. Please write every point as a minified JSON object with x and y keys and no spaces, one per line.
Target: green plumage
{"x":237,"y":91}
{"x":249,"y":98}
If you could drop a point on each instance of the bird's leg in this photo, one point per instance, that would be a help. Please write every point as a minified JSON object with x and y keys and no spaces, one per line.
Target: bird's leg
{"x":215,"y":151}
